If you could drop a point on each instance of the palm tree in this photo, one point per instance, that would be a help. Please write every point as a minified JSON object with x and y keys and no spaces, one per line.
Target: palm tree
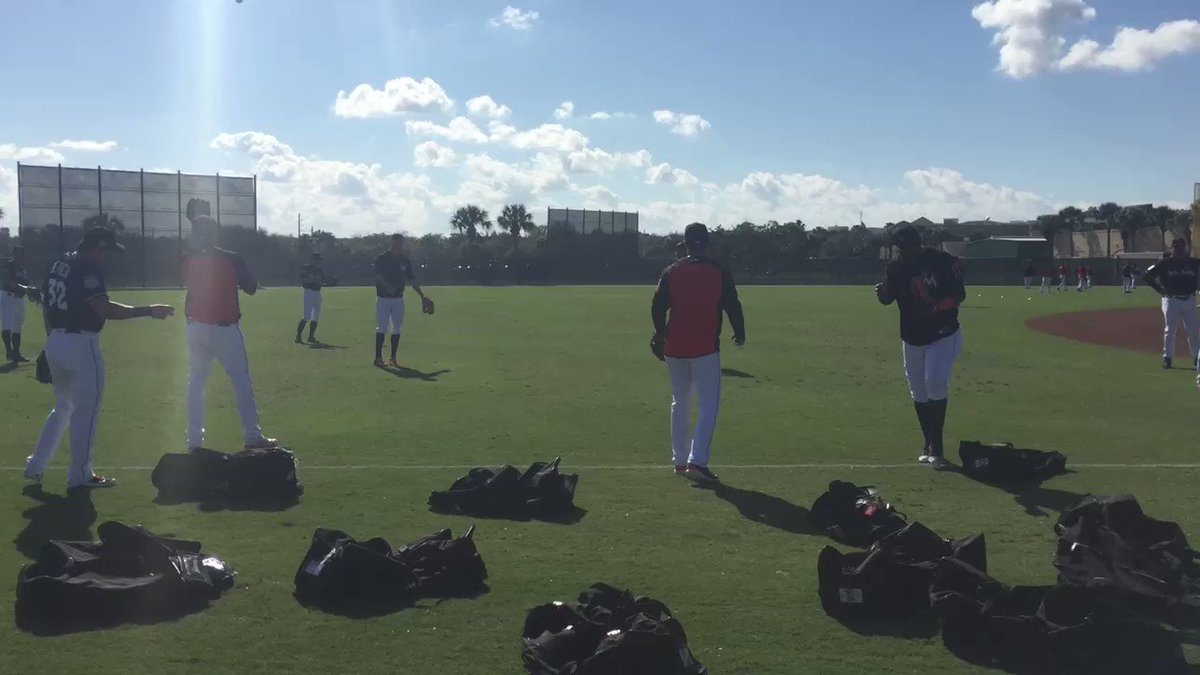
{"x":1163,"y":217}
{"x":1050,"y":225}
{"x":1108,"y":212}
{"x":515,"y":220}
{"x":1130,"y":220}
{"x":1071,"y":217}
{"x":468,"y":220}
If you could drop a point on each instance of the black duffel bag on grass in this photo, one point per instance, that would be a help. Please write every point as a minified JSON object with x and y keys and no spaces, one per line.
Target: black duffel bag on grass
{"x":1004,"y":463}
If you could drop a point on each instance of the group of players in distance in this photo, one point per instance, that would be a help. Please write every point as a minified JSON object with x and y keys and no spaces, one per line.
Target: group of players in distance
{"x":926,"y":284}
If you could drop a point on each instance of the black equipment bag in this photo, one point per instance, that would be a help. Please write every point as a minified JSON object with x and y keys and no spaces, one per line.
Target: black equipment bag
{"x":892,"y":579}
{"x":1052,"y":629}
{"x":130,"y":575}
{"x":1110,"y":547}
{"x":608,"y":631}
{"x":1005,"y":464}
{"x":246,"y":477}
{"x":541,"y":491}
{"x":339,"y":572}
{"x":855,"y":515}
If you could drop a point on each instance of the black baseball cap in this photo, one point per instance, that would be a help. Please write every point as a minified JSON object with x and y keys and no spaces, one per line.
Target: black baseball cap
{"x":1179,"y":243}
{"x":906,"y":235}
{"x":695,"y":235}
{"x":100,"y":238}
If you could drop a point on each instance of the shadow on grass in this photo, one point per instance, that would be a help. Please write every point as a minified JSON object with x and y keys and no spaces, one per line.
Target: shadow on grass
{"x":1037,"y":500}
{"x":922,"y":625}
{"x":765,"y":509}
{"x":407,"y":373}
{"x":731,"y":372}
{"x":321,"y":345}
{"x":9,"y":367}
{"x":377,"y":608}
{"x":213,"y":504}
{"x":571,"y":517}
{"x":68,"y":518}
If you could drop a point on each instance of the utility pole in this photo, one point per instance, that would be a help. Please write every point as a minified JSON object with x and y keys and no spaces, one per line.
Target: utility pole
{"x":298,"y":235}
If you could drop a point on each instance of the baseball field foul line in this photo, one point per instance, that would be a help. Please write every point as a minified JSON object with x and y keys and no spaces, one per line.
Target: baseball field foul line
{"x":642,"y":467}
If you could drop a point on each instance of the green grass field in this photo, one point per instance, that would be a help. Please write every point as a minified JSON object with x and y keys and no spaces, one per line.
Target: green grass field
{"x":512,"y":375}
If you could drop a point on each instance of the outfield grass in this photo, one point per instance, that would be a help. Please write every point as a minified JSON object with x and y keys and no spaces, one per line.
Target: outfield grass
{"x":512,"y":375}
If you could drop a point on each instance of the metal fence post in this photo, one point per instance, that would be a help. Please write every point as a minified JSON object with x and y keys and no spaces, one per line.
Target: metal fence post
{"x":62,"y":236}
{"x":142,"y":195}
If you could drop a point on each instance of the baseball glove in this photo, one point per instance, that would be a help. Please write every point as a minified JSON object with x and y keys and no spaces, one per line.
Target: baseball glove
{"x":427,"y":305}
{"x":43,"y":369}
{"x":657,"y":347}
{"x":197,"y":207}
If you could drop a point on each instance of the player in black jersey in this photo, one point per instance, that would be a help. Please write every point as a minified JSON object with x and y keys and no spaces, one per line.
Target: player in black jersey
{"x":312,"y":279}
{"x":927,"y":285}
{"x":75,"y":307}
{"x":393,"y":271}
{"x":1175,"y":278}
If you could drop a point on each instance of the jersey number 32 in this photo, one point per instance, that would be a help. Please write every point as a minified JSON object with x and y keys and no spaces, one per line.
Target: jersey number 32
{"x":56,"y":287}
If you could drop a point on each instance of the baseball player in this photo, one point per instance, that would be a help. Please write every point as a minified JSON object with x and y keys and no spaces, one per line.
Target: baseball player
{"x":927,"y":285}
{"x":1029,"y":272}
{"x":1175,"y":279}
{"x":14,"y":286}
{"x":312,"y":278}
{"x":212,"y":277}
{"x":75,"y":307}
{"x":1127,"y":277}
{"x":1081,"y":277}
{"x":1047,"y":277}
{"x":392,"y":271}
{"x":1062,"y":277}
{"x":686,"y":311}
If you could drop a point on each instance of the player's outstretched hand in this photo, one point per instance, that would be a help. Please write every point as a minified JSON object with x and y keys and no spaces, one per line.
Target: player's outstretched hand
{"x":161,"y":311}
{"x":881,"y":291}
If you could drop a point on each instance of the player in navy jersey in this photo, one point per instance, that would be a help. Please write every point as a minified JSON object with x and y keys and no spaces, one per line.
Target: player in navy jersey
{"x":75,"y":307}
{"x":927,"y":285}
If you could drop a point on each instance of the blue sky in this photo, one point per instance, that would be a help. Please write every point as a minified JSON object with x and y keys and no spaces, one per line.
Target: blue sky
{"x":766,"y":109}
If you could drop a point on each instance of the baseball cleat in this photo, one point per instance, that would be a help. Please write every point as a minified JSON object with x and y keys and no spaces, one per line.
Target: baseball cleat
{"x":392,"y":363}
{"x":379,"y":363}
{"x":1166,"y":363}
{"x":19,"y":358}
{"x":680,"y":469}
{"x":261,"y":443}
{"x":33,"y":477}
{"x":700,"y":474}
{"x":96,"y":482}
{"x":939,"y":463}
{"x":299,"y":341}
{"x":312,"y":340}
{"x":925,"y":459}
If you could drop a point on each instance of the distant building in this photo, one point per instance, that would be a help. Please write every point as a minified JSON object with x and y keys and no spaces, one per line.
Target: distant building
{"x":1016,"y":248}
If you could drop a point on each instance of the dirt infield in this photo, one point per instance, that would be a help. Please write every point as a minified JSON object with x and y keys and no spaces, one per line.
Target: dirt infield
{"x":1139,"y":329}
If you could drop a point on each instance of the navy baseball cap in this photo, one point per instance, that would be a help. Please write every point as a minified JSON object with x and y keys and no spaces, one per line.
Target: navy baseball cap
{"x":100,"y":238}
{"x":695,"y":235}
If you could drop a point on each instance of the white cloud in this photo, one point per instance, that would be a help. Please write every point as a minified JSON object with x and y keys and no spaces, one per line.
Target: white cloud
{"x":430,"y":154}
{"x":597,"y":160}
{"x":599,"y":197}
{"x":554,"y":137}
{"x":564,"y":110}
{"x":499,"y":132}
{"x":460,"y":130}
{"x":947,"y":192}
{"x":602,"y":115}
{"x":663,"y":174}
{"x":484,"y":106}
{"x":399,"y":96}
{"x":1134,"y":49}
{"x":34,"y":155}
{"x":1029,"y":34}
{"x":516,"y":18}
{"x":85,"y":146}
{"x":684,"y":124}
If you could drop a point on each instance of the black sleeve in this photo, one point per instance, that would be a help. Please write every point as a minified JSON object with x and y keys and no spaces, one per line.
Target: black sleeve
{"x":660,"y":304}
{"x":409,"y":275}
{"x":732,"y":305}
{"x":246,"y":280}
{"x":889,"y":285}
{"x":955,"y":288}
{"x":378,"y":265}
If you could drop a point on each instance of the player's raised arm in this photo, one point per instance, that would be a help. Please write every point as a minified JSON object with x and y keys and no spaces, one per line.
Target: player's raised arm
{"x":1153,"y":277}
{"x":114,"y":311}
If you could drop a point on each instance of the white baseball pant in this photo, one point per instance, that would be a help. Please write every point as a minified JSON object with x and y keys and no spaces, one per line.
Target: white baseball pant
{"x":701,"y":376}
{"x":929,"y":367}
{"x":1045,"y":284}
{"x":227,"y":345}
{"x":1176,"y":311}
{"x":389,"y":311}
{"x":77,"y":367}
{"x":312,"y":305}
{"x":12,"y":312}
{"x":1028,"y":282}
